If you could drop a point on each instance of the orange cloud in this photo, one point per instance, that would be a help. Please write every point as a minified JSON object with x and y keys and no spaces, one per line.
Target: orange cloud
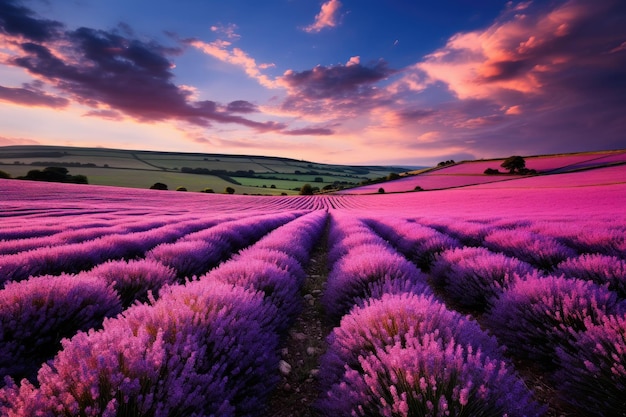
{"x":328,"y":17}
{"x":513,"y":54}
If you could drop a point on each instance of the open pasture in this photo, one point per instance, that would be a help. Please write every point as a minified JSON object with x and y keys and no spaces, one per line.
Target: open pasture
{"x":509,"y":300}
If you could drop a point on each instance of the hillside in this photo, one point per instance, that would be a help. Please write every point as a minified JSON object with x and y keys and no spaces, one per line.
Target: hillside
{"x":195,"y":171}
{"x":468,"y":173}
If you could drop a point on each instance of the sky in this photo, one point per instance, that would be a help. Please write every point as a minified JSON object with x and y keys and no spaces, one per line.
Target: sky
{"x":339,"y":81}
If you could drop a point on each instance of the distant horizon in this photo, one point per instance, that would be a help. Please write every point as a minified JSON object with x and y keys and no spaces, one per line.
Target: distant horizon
{"x":332,"y":81}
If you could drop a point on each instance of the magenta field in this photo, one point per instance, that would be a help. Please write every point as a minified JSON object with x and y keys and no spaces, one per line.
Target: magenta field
{"x":500,"y":299}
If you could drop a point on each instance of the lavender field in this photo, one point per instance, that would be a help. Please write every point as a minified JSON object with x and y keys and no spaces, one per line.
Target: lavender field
{"x":502,"y":299}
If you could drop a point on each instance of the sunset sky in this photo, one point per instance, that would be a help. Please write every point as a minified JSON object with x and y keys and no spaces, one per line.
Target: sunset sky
{"x":339,"y":81}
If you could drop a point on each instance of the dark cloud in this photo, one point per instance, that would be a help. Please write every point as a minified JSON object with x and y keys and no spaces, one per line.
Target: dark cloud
{"x":340,"y":90}
{"x":108,"y":71}
{"x":336,"y":81}
{"x":16,"y":20}
{"x":314,"y":131}
{"x":28,"y":97}
{"x":241,"y":106}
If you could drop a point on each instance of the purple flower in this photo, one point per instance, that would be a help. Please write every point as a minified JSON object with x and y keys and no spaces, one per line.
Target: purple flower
{"x":37,"y":313}
{"x":592,"y":375}
{"x":539,"y":314}
{"x":601,"y":269}
{"x":473,"y":277}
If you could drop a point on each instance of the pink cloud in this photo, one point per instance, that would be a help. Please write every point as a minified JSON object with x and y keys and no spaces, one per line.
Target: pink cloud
{"x":328,"y":17}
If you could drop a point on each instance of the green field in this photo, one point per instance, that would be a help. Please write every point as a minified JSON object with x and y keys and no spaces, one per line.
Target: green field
{"x":141,"y":169}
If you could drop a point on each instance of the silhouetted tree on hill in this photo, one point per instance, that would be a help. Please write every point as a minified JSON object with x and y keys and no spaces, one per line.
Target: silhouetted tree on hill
{"x":514,"y":163}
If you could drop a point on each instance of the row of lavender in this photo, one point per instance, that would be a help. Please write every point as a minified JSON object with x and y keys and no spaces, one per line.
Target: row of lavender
{"x":560,"y":307}
{"x":207,"y":347}
{"x":398,"y":351}
{"x":35,"y":314}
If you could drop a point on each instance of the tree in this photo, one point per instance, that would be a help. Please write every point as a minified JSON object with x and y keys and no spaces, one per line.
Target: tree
{"x":158,"y":186}
{"x":514,"y":163}
{"x":393,"y":176}
{"x":181,"y":188}
{"x":306,"y":190}
{"x":4,"y":175}
{"x":230,"y":190}
{"x":381,"y":190}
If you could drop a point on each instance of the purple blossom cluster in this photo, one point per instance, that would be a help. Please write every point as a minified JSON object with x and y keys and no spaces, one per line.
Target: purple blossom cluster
{"x":474,"y":277}
{"x":539,"y":250}
{"x":37,"y":313}
{"x":406,"y":354}
{"x":419,"y":243}
{"x":592,"y":374}
{"x":77,"y":257}
{"x":365,"y":270}
{"x":196,"y":253}
{"x":539,"y":314}
{"x":209,"y":347}
{"x":134,"y":280}
{"x":601,"y":269}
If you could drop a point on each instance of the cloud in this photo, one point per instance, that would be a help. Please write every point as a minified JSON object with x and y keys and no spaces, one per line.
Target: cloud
{"x":30,"y":97}
{"x":336,"y":88}
{"x":21,"y":22}
{"x":6,"y":141}
{"x":108,"y":72}
{"x":328,"y":17}
{"x":309,"y":131}
{"x":542,"y":78}
{"x":241,"y":106}
{"x":223,"y":51}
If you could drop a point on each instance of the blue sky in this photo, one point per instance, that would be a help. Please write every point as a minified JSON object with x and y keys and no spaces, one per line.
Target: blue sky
{"x":404,"y":82}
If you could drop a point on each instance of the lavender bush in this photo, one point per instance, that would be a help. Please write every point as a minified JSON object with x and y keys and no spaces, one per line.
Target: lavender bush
{"x":189,"y":258}
{"x":429,"y":377}
{"x":592,"y":375}
{"x":539,"y":314}
{"x":134,"y":280}
{"x":538,"y":250}
{"x":351,"y":278}
{"x":396,"y":318}
{"x":601,"y":269}
{"x":202,"y":349}
{"x":473,"y":277}
{"x":278,"y":286}
{"x":37,"y":313}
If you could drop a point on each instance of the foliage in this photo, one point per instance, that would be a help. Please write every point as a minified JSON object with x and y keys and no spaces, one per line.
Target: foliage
{"x":229,"y":190}
{"x":306,"y":189}
{"x":54,"y":174}
{"x":4,"y":175}
{"x":514,"y":163}
{"x":158,"y":186}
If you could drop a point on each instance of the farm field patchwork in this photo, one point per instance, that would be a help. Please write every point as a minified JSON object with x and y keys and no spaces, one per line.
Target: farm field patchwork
{"x":486,"y":300}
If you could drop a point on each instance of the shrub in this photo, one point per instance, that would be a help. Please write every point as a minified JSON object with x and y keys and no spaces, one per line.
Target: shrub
{"x":306,"y":189}
{"x":381,"y":190}
{"x":541,"y":251}
{"x":4,"y":175}
{"x":592,"y":376}
{"x":134,"y":280}
{"x":37,"y":313}
{"x":202,"y":349}
{"x":538,"y":314}
{"x":277,"y":285}
{"x":491,"y":171}
{"x":229,"y":190}
{"x":473,"y":277}
{"x":427,"y":376}
{"x":208,"y":190}
{"x":158,"y":186}
{"x":396,"y":318}
{"x":598,"y":268}
{"x":188,"y":258}
{"x":351,"y":279}
{"x":181,"y":189}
